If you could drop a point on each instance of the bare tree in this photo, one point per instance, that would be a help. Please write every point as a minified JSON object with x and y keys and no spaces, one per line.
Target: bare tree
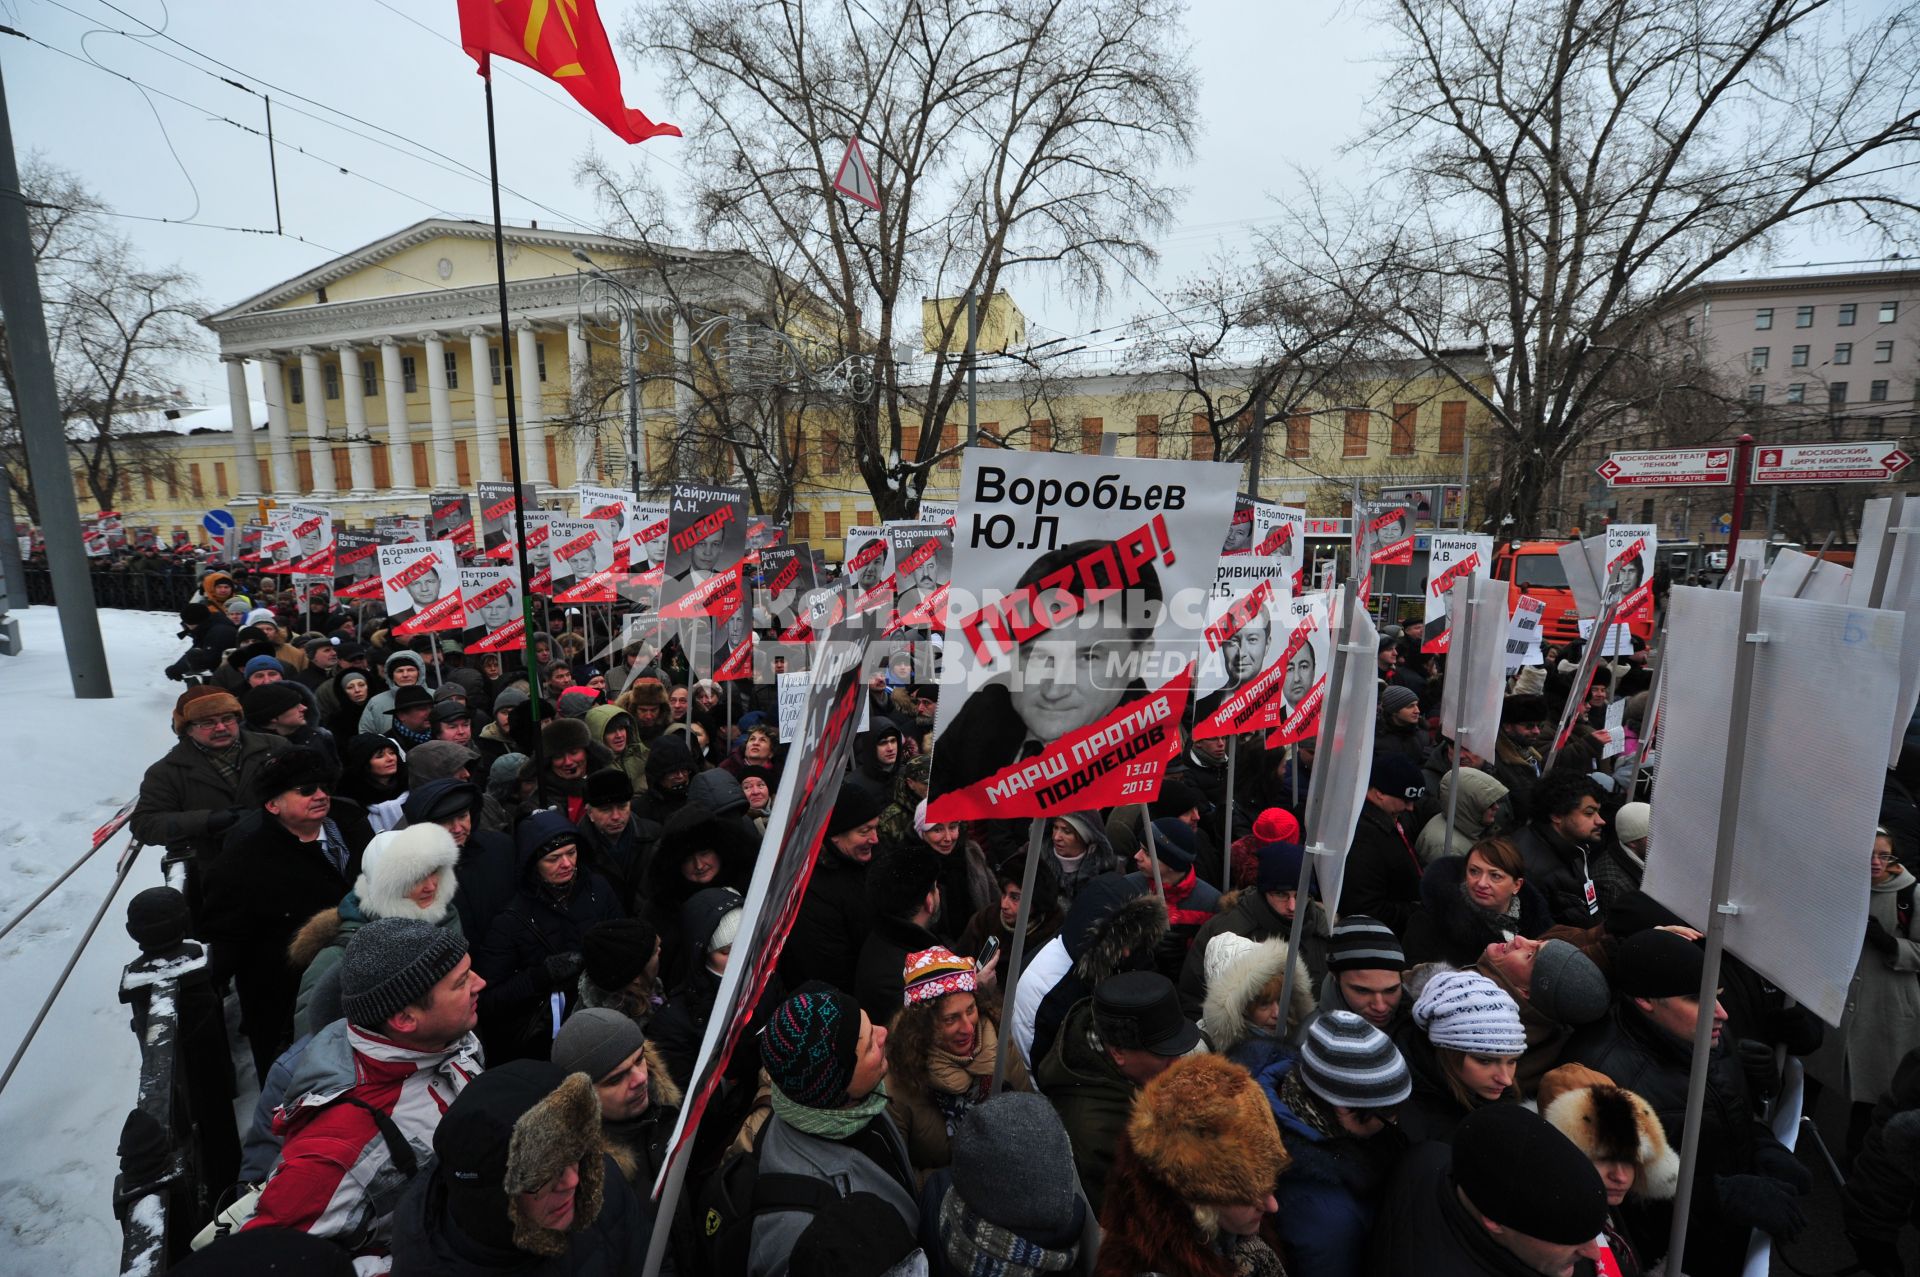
{"x":1567,"y":168}
{"x":1024,"y":134}
{"x":116,"y":330}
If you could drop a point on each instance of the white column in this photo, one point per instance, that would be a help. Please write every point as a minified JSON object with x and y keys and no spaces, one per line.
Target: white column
{"x":399,"y":429}
{"x":286,"y":476}
{"x":533,"y":426}
{"x":486,"y":427}
{"x":359,"y":443}
{"x":319,"y":447}
{"x":586,"y":426}
{"x":240,"y":405}
{"x":446,"y":463}
{"x":683,"y":372}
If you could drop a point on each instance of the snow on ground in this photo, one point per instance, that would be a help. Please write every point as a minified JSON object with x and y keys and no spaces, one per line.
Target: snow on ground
{"x":67,"y":765}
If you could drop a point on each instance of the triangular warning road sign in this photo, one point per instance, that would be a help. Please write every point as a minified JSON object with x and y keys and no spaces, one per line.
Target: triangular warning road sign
{"x":855,"y":179}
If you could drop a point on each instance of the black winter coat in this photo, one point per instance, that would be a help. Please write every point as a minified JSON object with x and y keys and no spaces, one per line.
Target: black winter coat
{"x":1447,"y":928}
{"x":1424,"y":1228}
{"x":1655,"y":1066}
{"x":488,"y":879}
{"x":427,"y":1243}
{"x":261,"y":890}
{"x":515,"y":1018}
{"x":1558,"y":870}
{"x":1382,"y":877}
{"x":879,"y":981}
{"x":832,"y":924}
{"x":181,"y":791}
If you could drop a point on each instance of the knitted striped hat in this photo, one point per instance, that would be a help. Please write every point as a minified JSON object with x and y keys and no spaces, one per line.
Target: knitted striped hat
{"x":933,"y":973}
{"x":1465,"y":1011}
{"x":1348,"y":1062}
{"x":1360,"y":943}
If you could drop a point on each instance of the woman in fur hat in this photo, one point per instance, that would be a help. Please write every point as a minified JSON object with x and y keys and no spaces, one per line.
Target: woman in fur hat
{"x":406,"y":873}
{"x":940,"y":1051}
{"x":1623,"y":1138}
{"x":1191,"y":1190}
{"x":1241,"y":1014}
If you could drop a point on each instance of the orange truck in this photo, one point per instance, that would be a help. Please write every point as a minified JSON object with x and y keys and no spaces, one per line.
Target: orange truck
{"x":1533,"y":569}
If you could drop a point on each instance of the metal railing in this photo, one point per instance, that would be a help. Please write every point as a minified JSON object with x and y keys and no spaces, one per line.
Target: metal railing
{"x":144,"y":591}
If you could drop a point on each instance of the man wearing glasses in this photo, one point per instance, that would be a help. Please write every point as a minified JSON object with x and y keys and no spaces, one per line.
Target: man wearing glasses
{"x":192,"y":796}
{"x":293,"y":855}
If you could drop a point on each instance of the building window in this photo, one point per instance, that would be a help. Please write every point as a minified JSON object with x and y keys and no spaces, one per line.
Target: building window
{"x":1836,"y":393}
{"x":1763,"y":318}
{"x":1797,"y":392}
{"x":1406,"y":418}
{"x":1355,"y":442}
{"x":1299,"y":434}
{"x":1848,"y":313}
{"x":453,"y":371}
{"x":330,"y":373}
{"x":833,"y":525}
{"x":1757,"y":361}
{"x":409,"y":376}
{"x":540,"y":358}
{"x":219,"y":478}
{"x":1876,"y":392}
{"x":1843,"y":352}
{"x":493,"y":362}
{"x":1202,"y":447}
{"x":1756,"y":394}
{"x":802,"y":525}
{"x":1889,"y":312}
{"x":296,"y":386}
{"x":1882,"y":352}
{"x":1453,"y":427}
{"x":1803,"y":317}
{"x":1092,"y":429}
{"x":1689,"y":325}
{"x":1800,"y":354}
{"x":1040,"y":435}
{"x":369,"y":379}
{"x":1146,"y":435}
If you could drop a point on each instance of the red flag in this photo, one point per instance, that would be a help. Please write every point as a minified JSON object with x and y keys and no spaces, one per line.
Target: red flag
{"x":562,"y":39}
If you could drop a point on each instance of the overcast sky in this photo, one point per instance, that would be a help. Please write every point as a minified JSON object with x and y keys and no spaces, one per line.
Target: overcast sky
{"x":1281,"y":85}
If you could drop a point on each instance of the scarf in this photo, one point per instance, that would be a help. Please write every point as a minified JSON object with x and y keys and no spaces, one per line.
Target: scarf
{"x":1250,"y":1256}
{"x":410,"y":736}
{"x":830,"y":1124}
{"x":1307,"y":1108}
{"x":225,"y":761}
{"x":980,"y":1249}
{"x":1505,"y":921}
{"x":953,"y":1081}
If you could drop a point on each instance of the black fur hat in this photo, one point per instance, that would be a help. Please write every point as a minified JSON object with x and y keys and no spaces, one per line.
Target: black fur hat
{"x":290,"y":769}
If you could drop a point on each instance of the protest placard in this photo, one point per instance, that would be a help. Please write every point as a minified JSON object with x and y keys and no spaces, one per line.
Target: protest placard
{"x":1078,"y":601}
{"x":1630,"y":556}
{"x":421,"y":584}
{"x":1450,"y":556}
{"x":494,"y":619}
{"x":498,"y":503}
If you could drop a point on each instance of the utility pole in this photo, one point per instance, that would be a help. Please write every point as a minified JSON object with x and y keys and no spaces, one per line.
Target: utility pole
{"x":43,"y":432}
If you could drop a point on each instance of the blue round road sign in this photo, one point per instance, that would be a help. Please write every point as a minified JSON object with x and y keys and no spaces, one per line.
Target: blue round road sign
{"x":216,"y":521}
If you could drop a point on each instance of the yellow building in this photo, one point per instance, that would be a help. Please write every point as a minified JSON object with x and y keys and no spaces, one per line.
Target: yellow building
{"x":381,"y":381}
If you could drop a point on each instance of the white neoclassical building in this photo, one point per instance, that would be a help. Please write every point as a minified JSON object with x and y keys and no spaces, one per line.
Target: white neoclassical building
{"x":382,"y":368}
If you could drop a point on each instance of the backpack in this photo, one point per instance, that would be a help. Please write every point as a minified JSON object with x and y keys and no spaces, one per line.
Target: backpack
{"x":733,"y":1196}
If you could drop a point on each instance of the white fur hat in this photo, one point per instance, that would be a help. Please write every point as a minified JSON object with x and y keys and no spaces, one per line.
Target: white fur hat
{"x":394,"y":861}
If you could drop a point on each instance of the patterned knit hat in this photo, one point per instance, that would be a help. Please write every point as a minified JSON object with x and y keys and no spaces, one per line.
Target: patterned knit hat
{"x":932,"y":974}
{"x":1360,"y":943}
{"x":811,"y":1045}
{"x":1465,"y":1011}
{"x":1348,"y":1062}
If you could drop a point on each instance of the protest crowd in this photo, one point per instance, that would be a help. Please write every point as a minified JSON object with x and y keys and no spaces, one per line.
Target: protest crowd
{"x":477,"y":910}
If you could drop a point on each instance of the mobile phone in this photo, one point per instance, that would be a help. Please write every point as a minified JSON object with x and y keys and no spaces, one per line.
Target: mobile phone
{"x":987,"y":950}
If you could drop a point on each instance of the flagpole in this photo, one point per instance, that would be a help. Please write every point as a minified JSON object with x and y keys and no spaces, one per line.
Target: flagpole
{"x":513,"y":426}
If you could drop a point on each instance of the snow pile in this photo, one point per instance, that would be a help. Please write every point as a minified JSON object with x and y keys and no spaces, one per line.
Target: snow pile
{"x":69,"y":766}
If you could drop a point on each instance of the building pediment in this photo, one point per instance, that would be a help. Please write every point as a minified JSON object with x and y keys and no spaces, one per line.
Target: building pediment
{"x":440,"y":255}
